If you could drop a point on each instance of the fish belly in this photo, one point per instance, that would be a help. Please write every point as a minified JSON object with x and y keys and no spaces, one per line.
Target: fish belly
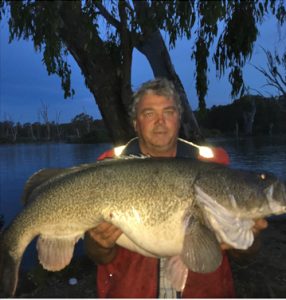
{"x":153,"y":239}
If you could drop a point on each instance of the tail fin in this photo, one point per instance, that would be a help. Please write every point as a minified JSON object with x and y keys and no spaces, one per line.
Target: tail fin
{"x":9,"y":269}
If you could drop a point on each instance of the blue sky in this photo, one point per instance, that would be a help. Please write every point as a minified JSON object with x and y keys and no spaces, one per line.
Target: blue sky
{"x":25,"y":85}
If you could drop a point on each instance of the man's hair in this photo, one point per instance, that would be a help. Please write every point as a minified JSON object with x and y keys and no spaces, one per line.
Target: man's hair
{"x":159,"y":87}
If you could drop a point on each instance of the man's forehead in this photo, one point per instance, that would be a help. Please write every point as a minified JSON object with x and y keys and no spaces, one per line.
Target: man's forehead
{"x":165,"y":107}
{"x":156,"y":100}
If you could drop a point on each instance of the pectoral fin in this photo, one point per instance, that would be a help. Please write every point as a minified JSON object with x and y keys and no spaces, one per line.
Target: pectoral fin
{"x":228,"y":227}
{"x":55,"y":253}
{"x":176,"y":272}
{"x":201,"y":250}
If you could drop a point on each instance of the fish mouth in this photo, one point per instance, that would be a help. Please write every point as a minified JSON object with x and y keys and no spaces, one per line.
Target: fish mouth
{"x":276,"y":197}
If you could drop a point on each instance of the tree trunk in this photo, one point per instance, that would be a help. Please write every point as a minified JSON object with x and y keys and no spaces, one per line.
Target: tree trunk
{"x":248,"y":118}
{"x":101,"y":71}
{"x":153,"y":47}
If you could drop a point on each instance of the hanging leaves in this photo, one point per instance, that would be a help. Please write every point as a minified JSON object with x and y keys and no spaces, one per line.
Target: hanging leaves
{"x":228,"y":27}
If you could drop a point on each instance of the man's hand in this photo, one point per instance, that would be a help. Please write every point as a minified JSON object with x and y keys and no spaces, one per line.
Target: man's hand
{"x":260,"y":224}
{"x":100,"y":242}
{"x":243,"y":255}
{"x":105,"y":234}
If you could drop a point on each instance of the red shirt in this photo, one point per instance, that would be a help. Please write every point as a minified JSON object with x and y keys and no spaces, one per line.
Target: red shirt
{"x":131,"y":275}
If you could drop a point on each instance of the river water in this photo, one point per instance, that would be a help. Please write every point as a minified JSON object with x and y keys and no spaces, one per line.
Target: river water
{"x":261,"y":153}
{"x":18,"y":162}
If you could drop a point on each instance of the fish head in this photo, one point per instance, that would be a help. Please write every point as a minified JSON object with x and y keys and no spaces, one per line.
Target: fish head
{"x":276,"y":196}
{"x":246,"y":193}
{"x":231,"y":199}
{"x":267,"y":193}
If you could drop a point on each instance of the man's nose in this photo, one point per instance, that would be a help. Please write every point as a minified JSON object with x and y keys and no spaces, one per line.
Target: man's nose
{"x":160,"y":118}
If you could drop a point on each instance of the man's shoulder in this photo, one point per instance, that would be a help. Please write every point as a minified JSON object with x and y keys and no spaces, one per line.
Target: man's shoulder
{"x":107,"y":154}
{"x":202,"y":153}
{"x":131,"y":148}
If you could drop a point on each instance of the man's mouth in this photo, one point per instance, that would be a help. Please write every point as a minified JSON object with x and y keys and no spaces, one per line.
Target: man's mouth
{"x":160,"y":132}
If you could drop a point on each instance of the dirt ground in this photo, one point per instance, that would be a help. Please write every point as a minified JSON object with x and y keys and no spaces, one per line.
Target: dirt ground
{"x":264,"y":276}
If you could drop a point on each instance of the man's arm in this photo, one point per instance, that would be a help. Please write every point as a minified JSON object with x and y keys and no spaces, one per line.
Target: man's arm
{"x":100,"y":244}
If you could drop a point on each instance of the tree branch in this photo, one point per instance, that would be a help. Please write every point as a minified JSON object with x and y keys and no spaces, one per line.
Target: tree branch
{"x":281,"y":78}
{"x":271,"y":79}
{"x":105,"y":13}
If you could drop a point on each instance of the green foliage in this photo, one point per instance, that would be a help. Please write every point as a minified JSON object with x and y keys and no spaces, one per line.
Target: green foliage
{"x":230,"y":27}
{"x":82,"y":118}
{"x":201,"y":55}
{"x":175,"y":17}
{"x":236,"y":42}
{"x":40,"y":22}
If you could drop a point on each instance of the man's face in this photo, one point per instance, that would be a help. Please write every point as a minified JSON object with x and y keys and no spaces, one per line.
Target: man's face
{"x":157,"y":125}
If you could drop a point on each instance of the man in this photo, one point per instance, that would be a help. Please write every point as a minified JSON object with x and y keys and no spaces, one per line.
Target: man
{"x":156,"y":115}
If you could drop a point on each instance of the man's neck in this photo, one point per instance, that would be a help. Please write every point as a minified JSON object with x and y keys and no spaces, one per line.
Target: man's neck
{"x":158,"y":152}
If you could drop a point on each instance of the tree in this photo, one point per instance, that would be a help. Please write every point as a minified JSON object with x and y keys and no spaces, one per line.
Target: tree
{"x":104,"y":52}
{"x":44,"y":112}
{"x":82,"y":124}
{"x":275,"y":73}
{"x":58,"y":127}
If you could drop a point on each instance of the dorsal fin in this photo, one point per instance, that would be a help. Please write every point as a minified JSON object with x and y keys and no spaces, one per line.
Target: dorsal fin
{"x":39,"y":178}
{"x":44,"y":175}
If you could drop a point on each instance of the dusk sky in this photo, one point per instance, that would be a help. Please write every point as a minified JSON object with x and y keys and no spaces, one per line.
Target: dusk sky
{"x":25,"y":85}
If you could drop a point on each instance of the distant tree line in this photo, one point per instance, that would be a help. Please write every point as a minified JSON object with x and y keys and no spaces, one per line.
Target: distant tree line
{"x":82,"y":129}
{"x":249,"y":115}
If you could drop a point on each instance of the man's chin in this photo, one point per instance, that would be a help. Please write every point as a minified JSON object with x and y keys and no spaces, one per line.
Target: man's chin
{"x":161,"y":145}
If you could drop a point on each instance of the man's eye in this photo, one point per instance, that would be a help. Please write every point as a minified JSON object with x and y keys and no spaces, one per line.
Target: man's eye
{"x":149,"y":114}
{"x":169,"y":112}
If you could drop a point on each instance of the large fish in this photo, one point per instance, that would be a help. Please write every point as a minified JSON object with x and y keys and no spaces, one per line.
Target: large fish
{"x":165,"y":207}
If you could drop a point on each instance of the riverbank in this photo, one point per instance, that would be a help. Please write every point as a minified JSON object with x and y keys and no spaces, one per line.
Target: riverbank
{"x":265,"y":275}
{"x":262,"y":277}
